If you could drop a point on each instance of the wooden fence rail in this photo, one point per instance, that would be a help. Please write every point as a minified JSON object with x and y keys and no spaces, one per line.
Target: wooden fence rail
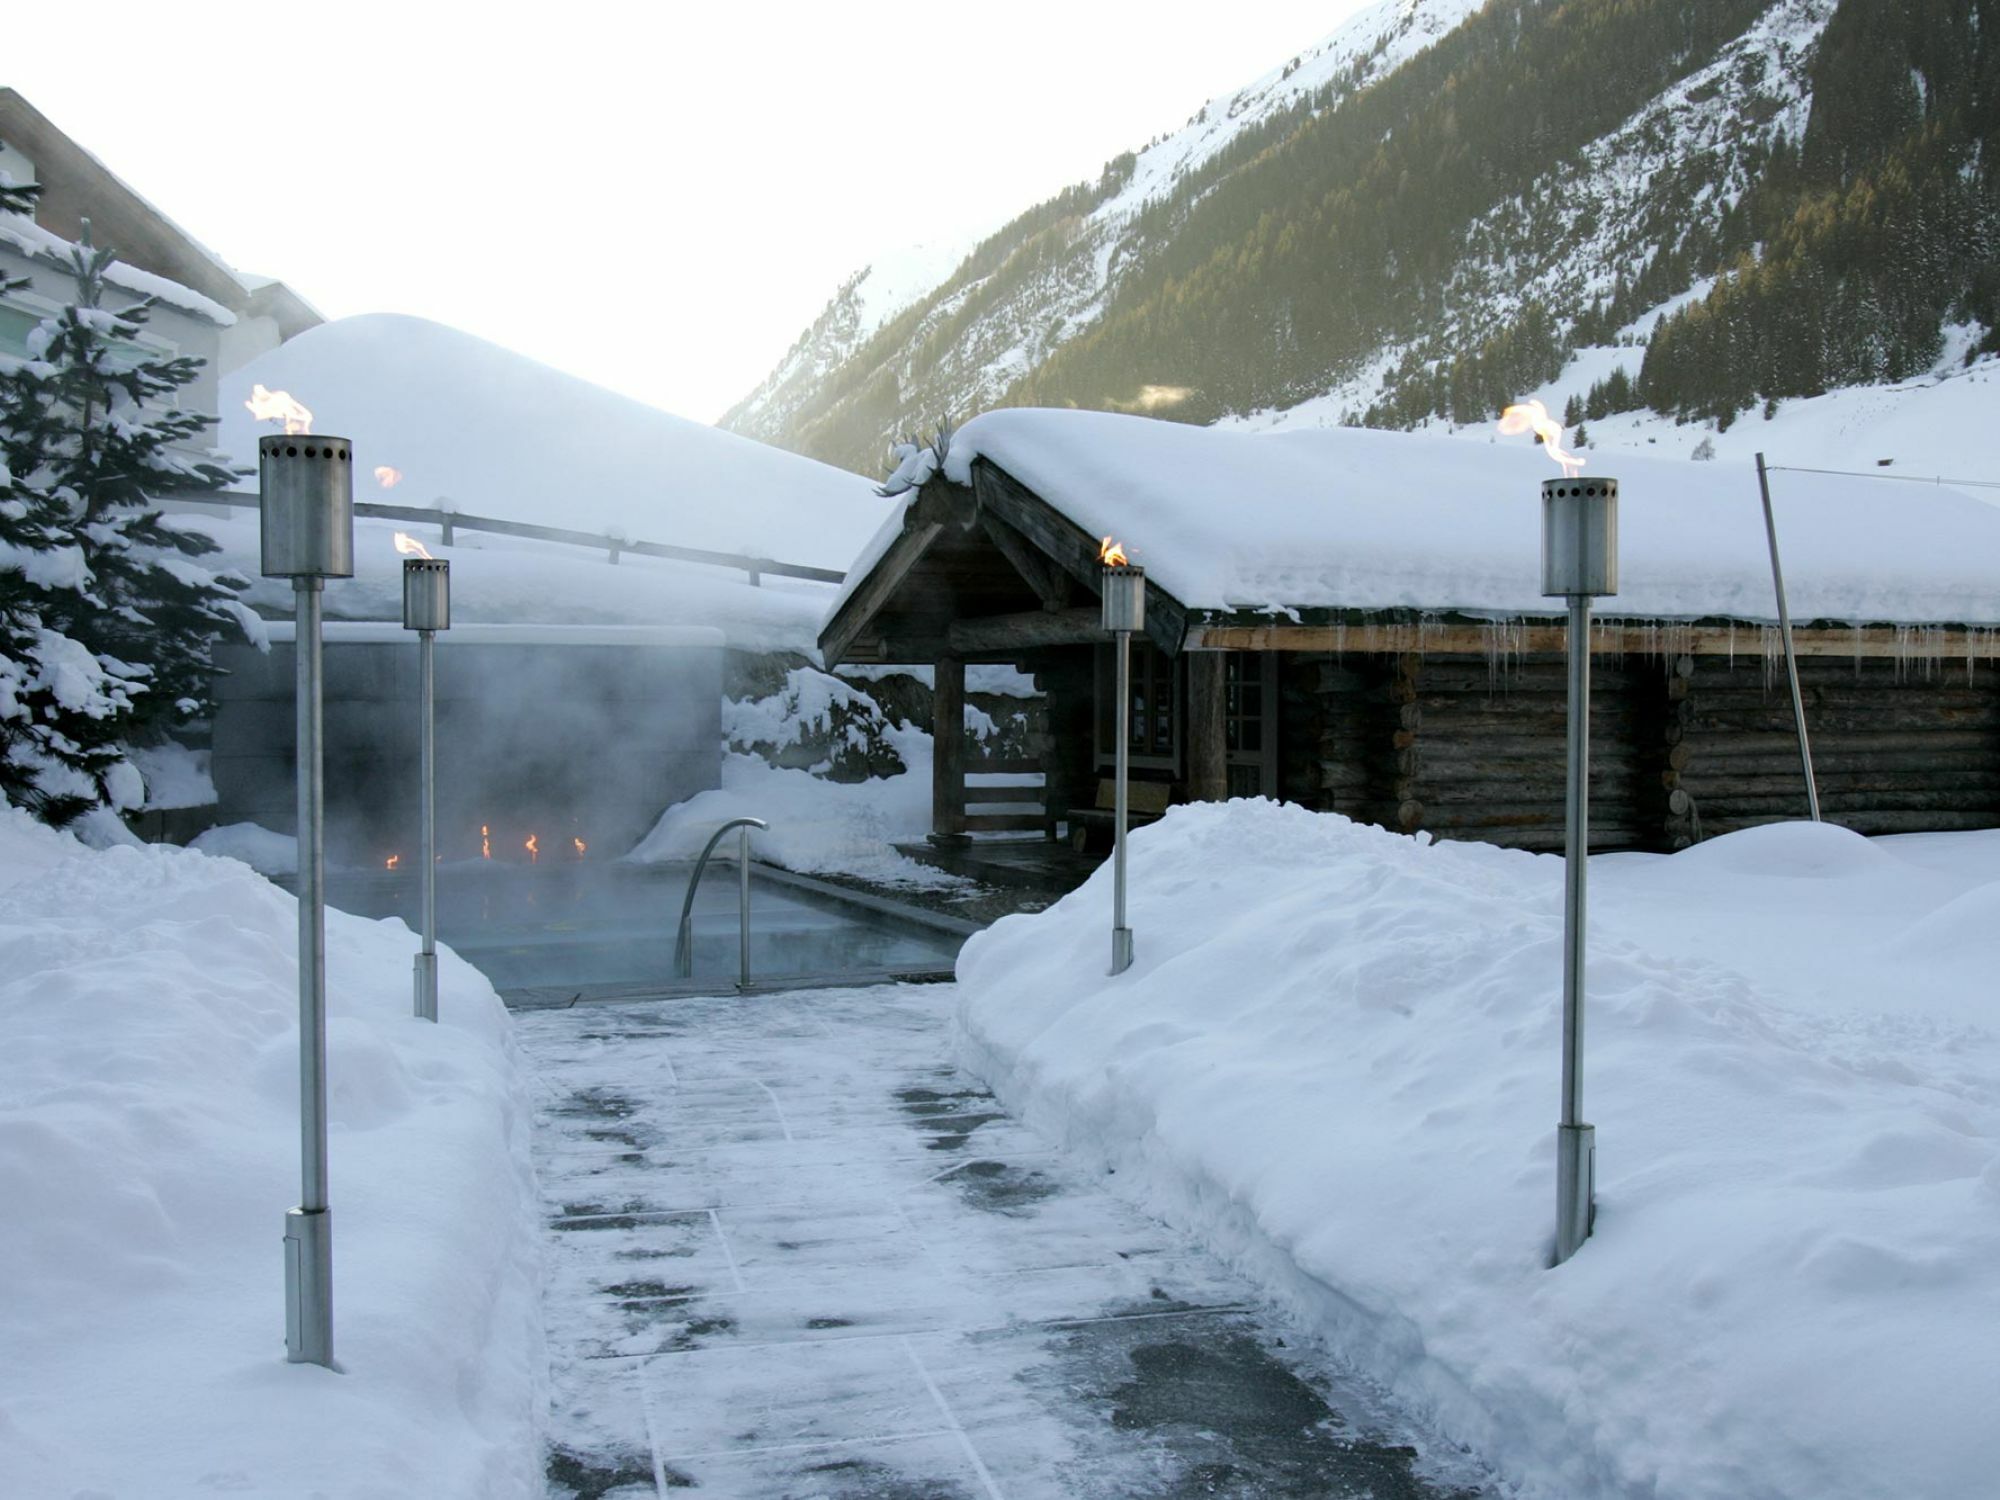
{"x":450,"y":521}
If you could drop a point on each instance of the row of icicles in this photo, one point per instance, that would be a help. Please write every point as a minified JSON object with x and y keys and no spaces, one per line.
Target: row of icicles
{"x":533,"y":844}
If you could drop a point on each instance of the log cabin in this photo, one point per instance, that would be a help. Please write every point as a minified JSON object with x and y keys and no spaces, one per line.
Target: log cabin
{"x":1351,"y":620}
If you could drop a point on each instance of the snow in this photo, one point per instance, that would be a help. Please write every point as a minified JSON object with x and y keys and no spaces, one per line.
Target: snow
{"x":1350,"y":518}
{"x":31,"y":239}
{"x":1336,"y":1061}
{"x":817,"y":826}
{"x":1377,"y":40}
{"x":175,"y":775}
{"x":258,"y":847}
{"x":1935,"y":426}
{"x":149,"y":1149}
{"x":498,"y":434}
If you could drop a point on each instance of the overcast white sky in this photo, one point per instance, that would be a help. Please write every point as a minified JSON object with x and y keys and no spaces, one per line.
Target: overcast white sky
{"x":657,"y":196}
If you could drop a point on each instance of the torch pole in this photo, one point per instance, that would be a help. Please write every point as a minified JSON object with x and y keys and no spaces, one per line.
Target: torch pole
{"x":743,"y":907}
{"x":309,"y":1227}
{"x":1785,"y":633}
{"x":1579,"y":563}
{"x":1121,"y":935}
{"x":1575,"y":1141}
{"x":427,"y":974}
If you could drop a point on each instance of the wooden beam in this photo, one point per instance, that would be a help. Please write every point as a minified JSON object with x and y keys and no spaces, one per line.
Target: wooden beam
{"x":986,"y":634}
{"x":1950,"y":645}
{"x":1071,"y":548}
{"x":874,"y":592}
{"x":1207,"y":726}
{"x":948,"y":749}
{"x":1051,"y":584}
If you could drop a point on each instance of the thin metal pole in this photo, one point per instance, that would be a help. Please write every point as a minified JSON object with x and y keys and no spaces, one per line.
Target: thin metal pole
{"x":1121,"y":935}
{"x":1576,"y":1147}
{"x":427,"y":990}
{"x":1785,"y":631}
{"x":308,"y":1228}
{"x":743,"y":906}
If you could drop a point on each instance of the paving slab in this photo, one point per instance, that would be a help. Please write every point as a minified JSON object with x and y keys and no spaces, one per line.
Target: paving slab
{"x":796,"y":1254}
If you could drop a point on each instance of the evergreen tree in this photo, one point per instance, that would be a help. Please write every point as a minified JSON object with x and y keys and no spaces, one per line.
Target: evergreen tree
{"x":111,"y":618}
{"x":60,"y":705}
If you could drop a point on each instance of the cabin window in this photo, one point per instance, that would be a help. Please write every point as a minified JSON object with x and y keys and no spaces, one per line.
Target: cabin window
{"x":1155,"y":721}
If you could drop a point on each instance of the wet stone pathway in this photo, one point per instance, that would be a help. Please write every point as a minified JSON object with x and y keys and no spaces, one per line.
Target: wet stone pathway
{"x":795,"y":1254}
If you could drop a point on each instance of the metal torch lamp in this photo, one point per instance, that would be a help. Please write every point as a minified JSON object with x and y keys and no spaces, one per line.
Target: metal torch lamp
{"x":1124,"y":595}
{"x":1579,"y":563}
{"x":427,"y":610}
{"x":306,"y":500}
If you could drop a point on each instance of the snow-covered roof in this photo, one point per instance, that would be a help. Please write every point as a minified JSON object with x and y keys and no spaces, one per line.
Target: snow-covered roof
{"x":28,"y":237}
{"x":500,"y":434}
{"x":1347,"y":518}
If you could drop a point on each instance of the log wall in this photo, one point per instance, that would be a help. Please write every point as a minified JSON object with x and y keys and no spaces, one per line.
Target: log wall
{"x":1683,"y":747}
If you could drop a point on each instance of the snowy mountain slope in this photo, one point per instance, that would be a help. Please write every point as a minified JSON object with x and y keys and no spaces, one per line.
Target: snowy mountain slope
{"x":1743,"y":203}
{"x":880,"y":290}
{"x":499,"y":434}
{"x":1044,"y":278}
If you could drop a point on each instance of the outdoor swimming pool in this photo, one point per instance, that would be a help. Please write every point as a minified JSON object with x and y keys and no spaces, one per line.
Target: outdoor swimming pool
{"x":586,"y":927}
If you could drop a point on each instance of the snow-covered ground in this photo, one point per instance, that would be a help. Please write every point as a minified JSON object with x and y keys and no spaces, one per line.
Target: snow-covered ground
{"x":1336,"y":1060}
{"x":149,"y":1150}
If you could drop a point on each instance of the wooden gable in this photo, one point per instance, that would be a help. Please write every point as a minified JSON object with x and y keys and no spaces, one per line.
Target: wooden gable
{"x":988,"y":572}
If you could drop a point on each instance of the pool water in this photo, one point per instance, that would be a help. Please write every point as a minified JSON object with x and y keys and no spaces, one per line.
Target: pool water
{"x":582,"y":926}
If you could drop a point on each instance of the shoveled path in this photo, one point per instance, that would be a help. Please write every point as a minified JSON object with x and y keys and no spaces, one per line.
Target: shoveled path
{"x":794,"y":1252}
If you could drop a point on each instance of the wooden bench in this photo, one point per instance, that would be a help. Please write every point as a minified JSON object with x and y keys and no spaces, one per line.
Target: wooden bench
{"x":1145,"y":802}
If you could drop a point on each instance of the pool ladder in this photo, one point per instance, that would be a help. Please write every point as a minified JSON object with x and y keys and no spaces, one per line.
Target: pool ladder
{"x":684,"y":940}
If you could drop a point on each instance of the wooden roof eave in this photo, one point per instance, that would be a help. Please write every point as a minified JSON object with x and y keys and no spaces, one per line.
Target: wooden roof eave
{"x":1044,"y":546}
{"x":1401,"y":631}
{"x":1069,"y":547}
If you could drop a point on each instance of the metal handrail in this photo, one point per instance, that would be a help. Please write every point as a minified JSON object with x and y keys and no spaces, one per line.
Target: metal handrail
{"x":683,"y":940}
{"x":453,"y":520}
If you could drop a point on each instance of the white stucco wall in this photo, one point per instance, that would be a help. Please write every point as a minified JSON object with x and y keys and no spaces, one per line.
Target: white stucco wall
{"x":182,"y":332}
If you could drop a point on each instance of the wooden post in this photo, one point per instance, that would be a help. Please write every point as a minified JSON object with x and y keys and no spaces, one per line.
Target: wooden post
{"x":1683,"y":821}
{"x":1207,"y":726}
{"x":1406,"y":743}
{"x":1069,"y":680}
{"x":948,"y":750}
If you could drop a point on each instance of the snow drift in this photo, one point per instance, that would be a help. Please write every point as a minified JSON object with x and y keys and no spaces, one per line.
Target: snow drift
{"x":149,"y":1149}
{"x":1336,"y":1059}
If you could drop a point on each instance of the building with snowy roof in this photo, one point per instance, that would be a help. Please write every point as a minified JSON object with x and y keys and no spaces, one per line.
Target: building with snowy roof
{"x":1353,"y":620}
{"x":207,"y":310}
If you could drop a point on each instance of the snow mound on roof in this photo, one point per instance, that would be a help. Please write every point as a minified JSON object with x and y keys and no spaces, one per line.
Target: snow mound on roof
{"x":1358,"y":519}
{"x":498,"y":434}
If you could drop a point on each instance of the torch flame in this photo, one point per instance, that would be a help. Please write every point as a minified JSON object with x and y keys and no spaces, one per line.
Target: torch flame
{"x":485,"y":843}
{"x":534,"y":849}
{"x":392,"y":861}
{"x":1532,"y":416}
{"x":278,"y":406}
{"x":409,"y":546}
{"x":388,"y":477}
{"x":1112,"y":554}
{"x":580,"y":847}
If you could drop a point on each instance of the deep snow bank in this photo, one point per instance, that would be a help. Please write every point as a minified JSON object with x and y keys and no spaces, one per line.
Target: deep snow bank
{"x":149,"y":1149}
{"x":1336,"y":1058}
